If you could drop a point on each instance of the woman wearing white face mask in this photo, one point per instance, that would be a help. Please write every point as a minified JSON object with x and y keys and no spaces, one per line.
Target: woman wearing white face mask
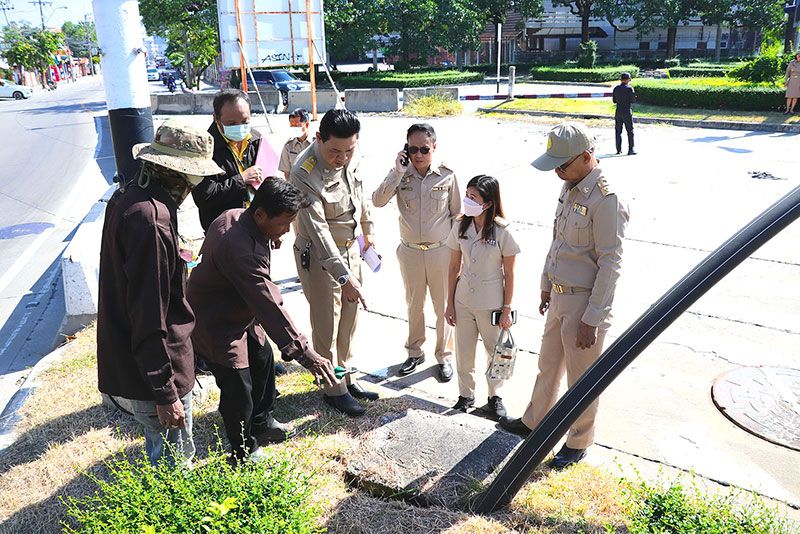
{"x":481,"y":280}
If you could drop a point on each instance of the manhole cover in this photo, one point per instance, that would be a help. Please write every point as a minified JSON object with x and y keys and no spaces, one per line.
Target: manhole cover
{"x":762,"y":400}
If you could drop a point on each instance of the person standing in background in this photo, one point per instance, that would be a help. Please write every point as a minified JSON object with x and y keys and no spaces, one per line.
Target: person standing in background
{"x":298,"y":129}
{"x":624,"y":96}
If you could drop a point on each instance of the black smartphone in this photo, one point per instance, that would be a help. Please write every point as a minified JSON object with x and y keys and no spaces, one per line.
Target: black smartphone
{"x":496,"y":317}
{"x":404,"y":162}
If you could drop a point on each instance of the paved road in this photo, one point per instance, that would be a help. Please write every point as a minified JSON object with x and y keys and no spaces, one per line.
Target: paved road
{"x":44,"y":193}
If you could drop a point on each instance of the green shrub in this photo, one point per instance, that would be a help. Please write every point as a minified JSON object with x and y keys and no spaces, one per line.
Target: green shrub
{"x":433,"y":106}
{"x":711,"y":96}
{"x":268,"y":496}
{"x":672,"y":62}
{"x":665,"y":509}
{"x":587,"y":55}
{"x":697,"y":72}
{"x":768,"y":67}
{"x":601,"y":74}
{"x":410,"y":79}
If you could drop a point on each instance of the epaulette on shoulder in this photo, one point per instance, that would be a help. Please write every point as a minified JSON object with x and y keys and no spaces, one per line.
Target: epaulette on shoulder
{"x":309,"y":164}
{"x":460,"y":217}
{"x":604,"y":188}
{"x":444,"y":166}
{"x":501,"y":222}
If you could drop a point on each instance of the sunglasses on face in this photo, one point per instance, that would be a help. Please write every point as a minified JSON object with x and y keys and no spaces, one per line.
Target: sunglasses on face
{"x":421,"y":149}
{"x":563,"y":167}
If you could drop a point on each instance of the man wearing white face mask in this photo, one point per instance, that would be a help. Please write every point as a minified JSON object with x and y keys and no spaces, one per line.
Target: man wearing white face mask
{"x":235,"y":149}
{"x":298,"y":129}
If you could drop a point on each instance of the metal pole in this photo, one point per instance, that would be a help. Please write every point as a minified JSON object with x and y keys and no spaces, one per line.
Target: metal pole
{"x":255,"y":85}
{"x":499,"y":52}
{"x":628,"y":346}
{"x":512,"y":75}
{"x":311,"y":69}
{"x":242,"y":66}
{"x":120,"y":36}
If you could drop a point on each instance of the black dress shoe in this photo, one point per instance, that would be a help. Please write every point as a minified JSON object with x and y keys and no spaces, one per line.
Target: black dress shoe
{"x":445,"y":372}
{"x":345,"y":404}
{"x":515,"y":426}
{"x":631,"y":152}
{"x":275,"y":432}
{"x":358,"y":391}
{"x":409,"y":365}
{"x":567,"y":457}
{"x":464,"y":403}
{"x":496,"y":407}
{"x":619,"y":152}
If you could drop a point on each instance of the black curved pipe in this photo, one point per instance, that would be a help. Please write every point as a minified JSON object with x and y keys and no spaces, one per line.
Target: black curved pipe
{"x":630,"y":344}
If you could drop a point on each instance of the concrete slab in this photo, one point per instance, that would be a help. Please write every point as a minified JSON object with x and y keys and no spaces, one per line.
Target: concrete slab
{"x":429,"y":458}
{"x":326,"y":99}
{"x":372,"y":100}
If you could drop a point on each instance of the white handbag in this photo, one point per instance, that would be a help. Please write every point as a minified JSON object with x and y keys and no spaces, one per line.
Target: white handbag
{"x":504,"y":357}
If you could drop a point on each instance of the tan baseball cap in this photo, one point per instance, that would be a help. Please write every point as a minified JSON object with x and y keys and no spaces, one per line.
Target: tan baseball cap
{"x":181,"y":147}
{"x":564,"y":142}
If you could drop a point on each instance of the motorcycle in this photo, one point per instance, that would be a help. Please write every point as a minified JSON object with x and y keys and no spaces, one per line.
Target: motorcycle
{"x":171,"y":84}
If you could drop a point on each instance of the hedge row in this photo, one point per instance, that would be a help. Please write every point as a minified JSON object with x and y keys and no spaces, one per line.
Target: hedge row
{"x":410,"y":79}
{"x":745,"y":98}
{"x":697,"y":72}
{"x":601,"y":74}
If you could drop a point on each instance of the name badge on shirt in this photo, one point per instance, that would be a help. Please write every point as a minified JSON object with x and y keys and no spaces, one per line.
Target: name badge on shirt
{"x":440,"y":188}
{"x":331,"y":187}
{"x":580,"y":210}
{"x":407,"y":188}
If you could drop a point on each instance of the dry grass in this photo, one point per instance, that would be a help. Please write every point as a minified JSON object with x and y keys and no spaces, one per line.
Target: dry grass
{"x":433,"y":106}
{"x":65,"y":432}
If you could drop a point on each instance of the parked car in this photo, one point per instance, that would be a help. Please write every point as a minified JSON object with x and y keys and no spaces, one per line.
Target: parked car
{"x":281,"y":80}
{"x":152,"y":75}
{"x":9,"y":89}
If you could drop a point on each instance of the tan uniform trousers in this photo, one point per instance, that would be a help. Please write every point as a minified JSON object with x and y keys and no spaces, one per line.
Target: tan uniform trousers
{"x":333,"y":320}
{"x":426,"y":271}
{"x":559,"y":353}
{"x":470,"y":323}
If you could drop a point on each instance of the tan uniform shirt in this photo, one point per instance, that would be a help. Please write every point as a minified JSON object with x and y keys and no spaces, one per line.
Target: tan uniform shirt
{"x":338,"y":208}
{"x":291,"y":150}
{"x":480,"y":285}
{"x":586,"y":251}
{"x":428,"y":204}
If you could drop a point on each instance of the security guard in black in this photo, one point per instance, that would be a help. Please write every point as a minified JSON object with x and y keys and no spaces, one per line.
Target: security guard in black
{"x":624,"y":96}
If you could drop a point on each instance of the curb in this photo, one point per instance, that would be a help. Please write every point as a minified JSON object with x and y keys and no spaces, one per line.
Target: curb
{"x":687,"y":123}
{"x":10,"y":416}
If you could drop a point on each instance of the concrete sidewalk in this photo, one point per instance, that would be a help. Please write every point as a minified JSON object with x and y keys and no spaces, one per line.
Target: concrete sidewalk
{"x":688,"y":190}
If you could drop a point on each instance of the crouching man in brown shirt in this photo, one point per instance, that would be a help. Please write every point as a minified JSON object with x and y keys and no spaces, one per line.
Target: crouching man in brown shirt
{"x":231,"y":290}
{"x":145,"y":361}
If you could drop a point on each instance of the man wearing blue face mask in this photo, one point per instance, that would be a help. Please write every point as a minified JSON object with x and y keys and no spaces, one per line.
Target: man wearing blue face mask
{"x":235,"y":149}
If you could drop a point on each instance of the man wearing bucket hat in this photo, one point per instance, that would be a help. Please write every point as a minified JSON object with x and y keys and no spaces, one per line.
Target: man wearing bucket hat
{"x":578,"y":282}
{"x":145,"y":361}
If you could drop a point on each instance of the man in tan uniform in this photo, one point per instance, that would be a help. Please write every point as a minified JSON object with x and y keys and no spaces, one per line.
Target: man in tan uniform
{"x":578,"y":283}
{"x":428,"y":200}
{"x":298,"y":129}
{"x":326,"y":250}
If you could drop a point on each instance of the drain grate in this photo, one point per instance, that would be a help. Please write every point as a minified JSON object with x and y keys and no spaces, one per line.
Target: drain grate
{"x":765,"y":401}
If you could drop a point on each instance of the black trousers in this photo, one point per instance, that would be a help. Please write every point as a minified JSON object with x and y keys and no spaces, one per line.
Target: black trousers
{"x":247,"y":396}
{"x":627,"y":120}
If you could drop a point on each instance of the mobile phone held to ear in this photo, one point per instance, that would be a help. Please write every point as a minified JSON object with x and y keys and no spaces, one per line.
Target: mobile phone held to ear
{"x":496,"y":317}
{"x":404,"y":162}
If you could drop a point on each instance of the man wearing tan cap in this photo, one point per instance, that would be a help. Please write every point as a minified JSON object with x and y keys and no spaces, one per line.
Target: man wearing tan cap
{"x":145,"y":361}
{"x":578,"y":281}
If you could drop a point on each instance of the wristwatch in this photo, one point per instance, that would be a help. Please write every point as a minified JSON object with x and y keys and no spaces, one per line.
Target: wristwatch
{"x":343,"y":279}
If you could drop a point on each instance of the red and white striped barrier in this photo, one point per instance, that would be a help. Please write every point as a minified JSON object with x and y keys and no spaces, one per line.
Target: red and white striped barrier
{"x":550,"y":95}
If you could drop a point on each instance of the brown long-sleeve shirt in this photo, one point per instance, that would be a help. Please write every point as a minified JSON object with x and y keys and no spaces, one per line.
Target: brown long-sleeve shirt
{"x":144,"y":323}
{"x":231,"y":288}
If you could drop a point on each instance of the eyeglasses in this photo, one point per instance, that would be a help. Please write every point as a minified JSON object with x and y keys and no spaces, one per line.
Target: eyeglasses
{"x":563,"y":167}
{"x":422,"y":149}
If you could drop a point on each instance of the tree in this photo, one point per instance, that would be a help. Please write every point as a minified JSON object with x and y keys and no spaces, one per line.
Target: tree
{"x":80,"y":37}
{"x":351,"y":26}
{"x":647,"y":15}
{"x":188,"y":26}
{"x":582,"y":8}
{"x":414,"y":28}
{"x":30,"y":48}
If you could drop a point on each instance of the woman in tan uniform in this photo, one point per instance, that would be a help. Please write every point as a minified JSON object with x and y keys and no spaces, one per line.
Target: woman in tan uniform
{"x":792,"y":83}
{"x":481,"y":280}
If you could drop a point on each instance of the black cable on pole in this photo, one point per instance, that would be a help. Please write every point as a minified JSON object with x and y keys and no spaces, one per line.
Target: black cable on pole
{"x":632,"y":342}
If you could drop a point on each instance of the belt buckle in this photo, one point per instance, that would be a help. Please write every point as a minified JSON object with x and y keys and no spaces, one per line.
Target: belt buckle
{"x":349,"y":243}
{"x":559,"y":288}
{"x":424,"y":246}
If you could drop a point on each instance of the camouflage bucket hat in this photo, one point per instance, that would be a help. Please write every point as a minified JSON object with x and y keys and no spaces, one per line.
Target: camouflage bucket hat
{"x":180,"y":147}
